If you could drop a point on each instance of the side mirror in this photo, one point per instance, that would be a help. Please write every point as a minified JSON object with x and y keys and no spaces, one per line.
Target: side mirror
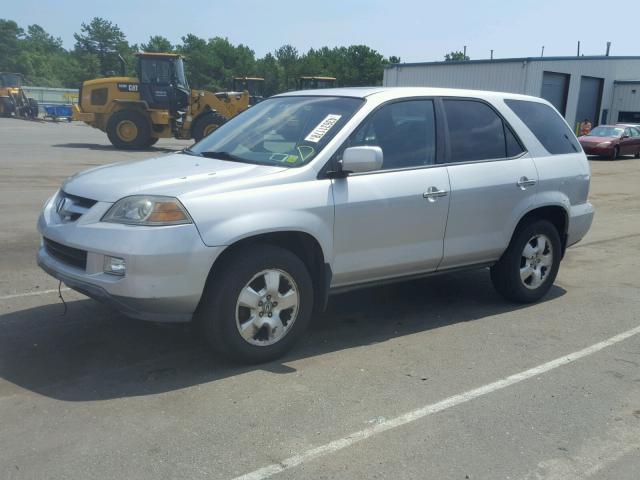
{"x":624,"y":136}
{"x":362,"y":159}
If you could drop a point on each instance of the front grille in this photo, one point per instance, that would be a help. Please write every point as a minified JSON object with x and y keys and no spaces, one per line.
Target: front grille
{"x":69,"y":255}
{"x":71,"y":207}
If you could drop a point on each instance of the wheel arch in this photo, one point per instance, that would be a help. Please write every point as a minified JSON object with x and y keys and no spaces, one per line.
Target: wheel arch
{"x":302,"y":244}
{"x":556,"y":213}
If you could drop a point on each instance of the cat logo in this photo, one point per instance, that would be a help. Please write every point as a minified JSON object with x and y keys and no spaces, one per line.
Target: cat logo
{"x":128,"y":87}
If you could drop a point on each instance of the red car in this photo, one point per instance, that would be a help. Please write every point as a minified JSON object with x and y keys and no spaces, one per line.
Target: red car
{"x":611,"y":141}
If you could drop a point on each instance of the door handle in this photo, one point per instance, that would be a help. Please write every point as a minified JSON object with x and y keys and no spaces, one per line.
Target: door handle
{"x":433,"y":192}
{"x":525,"y":182}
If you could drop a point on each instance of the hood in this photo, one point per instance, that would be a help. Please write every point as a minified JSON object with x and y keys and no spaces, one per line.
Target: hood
{"x":171,"y":175}
{"x":592,"y":139}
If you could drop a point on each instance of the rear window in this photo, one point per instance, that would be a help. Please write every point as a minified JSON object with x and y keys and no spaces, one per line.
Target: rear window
{"x":547,"y":125}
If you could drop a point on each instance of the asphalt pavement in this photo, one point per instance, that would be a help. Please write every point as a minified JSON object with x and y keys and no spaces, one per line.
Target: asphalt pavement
{"x":438,"y":378}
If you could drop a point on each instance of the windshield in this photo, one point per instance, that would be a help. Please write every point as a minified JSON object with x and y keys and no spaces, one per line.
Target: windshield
{"x":10,"y":80}
{"x":181,"y":79}
{"x":606,"y":132}
{"x":285,"y":131}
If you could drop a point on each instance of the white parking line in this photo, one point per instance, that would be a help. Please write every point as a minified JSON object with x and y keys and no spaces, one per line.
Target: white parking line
{"x":422,"y":412}
{"x":31,"y":294}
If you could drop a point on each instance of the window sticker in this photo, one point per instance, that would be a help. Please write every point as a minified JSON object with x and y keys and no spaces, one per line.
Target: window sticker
{"x":322,"y":128}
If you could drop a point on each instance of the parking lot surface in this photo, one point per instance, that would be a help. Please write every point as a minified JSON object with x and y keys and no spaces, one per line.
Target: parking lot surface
{"x":437,"y":378}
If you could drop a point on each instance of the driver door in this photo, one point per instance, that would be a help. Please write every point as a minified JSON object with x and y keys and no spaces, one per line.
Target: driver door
{"x":156,"y":86}
{"x":391,"y":222}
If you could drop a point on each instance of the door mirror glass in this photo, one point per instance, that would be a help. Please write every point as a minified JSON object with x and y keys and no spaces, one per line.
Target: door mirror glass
{"x":362,"y":159}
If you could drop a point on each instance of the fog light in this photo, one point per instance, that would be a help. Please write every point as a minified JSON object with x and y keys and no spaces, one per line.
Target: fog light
{"x":114,"y":266}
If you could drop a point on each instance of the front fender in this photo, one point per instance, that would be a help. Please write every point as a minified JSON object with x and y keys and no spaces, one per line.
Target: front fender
{"x":226,"y":218}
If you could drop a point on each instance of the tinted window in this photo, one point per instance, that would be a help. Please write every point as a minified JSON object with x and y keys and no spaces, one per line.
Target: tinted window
{"x":546,"y":125}
{"x":476,"y":132}
{"x":513,"y":146}
{"x":157,"y":72}
{"x":405,"y":131}
{"x":634,"y":132}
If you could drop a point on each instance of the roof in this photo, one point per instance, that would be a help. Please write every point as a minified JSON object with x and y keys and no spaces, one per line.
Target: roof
{"x":513,"y":60}
{"x":358,"y":92}
{"x":407,"y":92}
{"x":158,"y":54}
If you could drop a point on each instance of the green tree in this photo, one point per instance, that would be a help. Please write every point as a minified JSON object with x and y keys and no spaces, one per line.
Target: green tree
{"x":102,"y":40}
{"x":287,"y":56}
{"x":456,"y":56}
{"x":10,"y":35}
{"x":158,"y":44}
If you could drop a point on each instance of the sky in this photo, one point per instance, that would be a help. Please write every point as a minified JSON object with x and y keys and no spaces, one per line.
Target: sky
{"x":411,"y":29}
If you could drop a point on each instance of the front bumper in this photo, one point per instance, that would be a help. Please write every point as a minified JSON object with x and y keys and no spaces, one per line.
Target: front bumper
{"x":166,"y":267}
{"x":602,"y":151}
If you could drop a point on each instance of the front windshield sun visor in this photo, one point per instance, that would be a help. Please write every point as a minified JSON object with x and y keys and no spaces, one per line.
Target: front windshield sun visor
{"x":280,"y":131}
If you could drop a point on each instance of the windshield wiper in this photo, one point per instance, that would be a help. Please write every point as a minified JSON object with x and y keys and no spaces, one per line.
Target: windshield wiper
{"x":223,"y":156}
{"x":188,"y":151}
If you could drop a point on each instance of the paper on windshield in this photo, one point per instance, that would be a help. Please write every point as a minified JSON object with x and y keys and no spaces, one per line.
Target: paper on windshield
{"x":322,"y":128}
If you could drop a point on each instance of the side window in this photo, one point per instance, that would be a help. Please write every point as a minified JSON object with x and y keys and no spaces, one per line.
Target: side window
{"x":157,"y":72}
{"x":634,"y":132}
{"x":513,"y":146}
{"x":627,"y":132}
{"x":405,"y":131}
{"x":476,"y":132}
{"x":547,"y":125}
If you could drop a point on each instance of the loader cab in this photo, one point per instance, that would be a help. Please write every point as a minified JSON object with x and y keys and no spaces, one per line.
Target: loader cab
{"x":10,"y":80}
{"x":254,"y":85}
{"x":314,"y":83}
{"x":163,"y":84}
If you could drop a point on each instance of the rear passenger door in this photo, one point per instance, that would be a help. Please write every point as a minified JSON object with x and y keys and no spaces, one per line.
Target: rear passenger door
{"x":492,"y":180}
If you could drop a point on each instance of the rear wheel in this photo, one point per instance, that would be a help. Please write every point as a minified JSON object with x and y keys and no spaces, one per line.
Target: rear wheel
{"x":257,"y":304}
{"x":129,"y":129}
{"x":206,"y":124}
{"x":527,"y":269}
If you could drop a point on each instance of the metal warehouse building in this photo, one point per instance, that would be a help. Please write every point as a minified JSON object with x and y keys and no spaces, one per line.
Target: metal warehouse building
{"x":602,"y":89}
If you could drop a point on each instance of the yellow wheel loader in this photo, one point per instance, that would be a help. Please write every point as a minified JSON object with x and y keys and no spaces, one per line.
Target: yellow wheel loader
{"x":253,"y":85}
{"x":314,"y":83}
{"x":13,"y":99}
{"x":137,"y":111}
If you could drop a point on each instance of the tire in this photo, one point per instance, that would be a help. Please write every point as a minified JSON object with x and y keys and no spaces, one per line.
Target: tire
{"x":7,"y":107}
{"x":636,"y":155}
{"x":616,"y":153}
{"x":220,"y":314}
{"x":541,"y":240}
{"x":152,"y":141}
{"x":129,"y":129}
{"x":34,"y":110}
{"x":206,"y":124}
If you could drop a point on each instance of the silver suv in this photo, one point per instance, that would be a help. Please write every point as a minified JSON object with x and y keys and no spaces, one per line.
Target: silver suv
{"x":308,"y":193}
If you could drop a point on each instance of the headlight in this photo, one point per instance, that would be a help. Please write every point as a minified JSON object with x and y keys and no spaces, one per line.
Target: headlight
{"x":604,"y":144}
{"x":147,"y":210}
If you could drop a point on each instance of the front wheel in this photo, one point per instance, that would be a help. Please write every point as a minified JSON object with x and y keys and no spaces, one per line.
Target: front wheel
{"x":527,"y":269}
{"x":206,"y":124}
{"x":257,"y":304}
{"x":616,"y":153}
